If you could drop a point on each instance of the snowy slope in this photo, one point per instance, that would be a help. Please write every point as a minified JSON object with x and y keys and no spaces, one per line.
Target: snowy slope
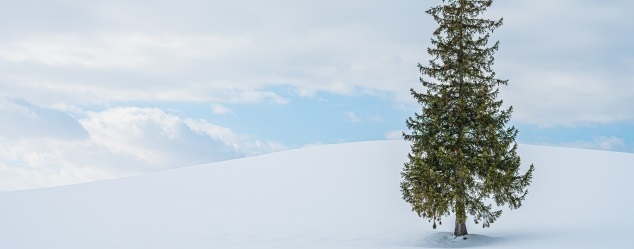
{"x":334,"y":196}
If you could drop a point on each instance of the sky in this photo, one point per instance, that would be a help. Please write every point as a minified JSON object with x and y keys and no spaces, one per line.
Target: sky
{"x":93,"y":90}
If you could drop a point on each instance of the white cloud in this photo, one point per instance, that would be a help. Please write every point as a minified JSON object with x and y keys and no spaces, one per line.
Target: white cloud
{"x":394,"y":135}
{"x":115,"y":51}
{"x":313,"y":144}
{"x":565,"y":69}
{"x":135,"y":132}
{"x":118,"y":141}
{"x":224,"y":134}
{"x":164,"y":140}
{"x":21,"y":119}
{"x":203,"y":52}
{"x":352,"y":117}
{"x":284,"y":44}
{"x":601,"y":143}
{"x":240,"y":143}
{"x":43,"y":162}
{"x":376,"y":118}
{"x":258,"y":147}
{"x":220,"y":109}
{"x":253,"y":96}
{"x":100,"y":91}
{"x":551,"y":98}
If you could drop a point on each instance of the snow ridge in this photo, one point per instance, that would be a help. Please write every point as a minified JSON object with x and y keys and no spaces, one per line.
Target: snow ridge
{"x":332,"y":196}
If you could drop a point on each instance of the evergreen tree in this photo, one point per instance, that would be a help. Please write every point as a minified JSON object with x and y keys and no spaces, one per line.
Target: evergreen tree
{"x":463,"y":156}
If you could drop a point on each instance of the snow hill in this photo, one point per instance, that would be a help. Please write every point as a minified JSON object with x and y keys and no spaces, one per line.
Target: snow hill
{"x":333,"y":196}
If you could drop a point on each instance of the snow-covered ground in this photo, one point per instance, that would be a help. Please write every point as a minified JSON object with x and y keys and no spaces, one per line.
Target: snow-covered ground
{"x":333,"y":196}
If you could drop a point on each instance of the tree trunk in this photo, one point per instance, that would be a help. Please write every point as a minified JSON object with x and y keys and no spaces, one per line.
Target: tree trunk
{"x":461,"y":228}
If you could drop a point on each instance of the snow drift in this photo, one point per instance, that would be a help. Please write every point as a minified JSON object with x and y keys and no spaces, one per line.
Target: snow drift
{"x":333,"y":196}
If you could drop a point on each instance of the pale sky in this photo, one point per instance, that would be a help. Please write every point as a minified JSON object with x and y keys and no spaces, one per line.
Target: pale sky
{"x":99,"y":89}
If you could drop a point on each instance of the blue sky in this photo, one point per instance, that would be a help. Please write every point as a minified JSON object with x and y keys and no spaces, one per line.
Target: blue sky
{"x":99,"y":89}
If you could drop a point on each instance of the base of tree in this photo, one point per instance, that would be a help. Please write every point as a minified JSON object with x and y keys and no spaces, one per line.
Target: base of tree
{"x":461,"y":229}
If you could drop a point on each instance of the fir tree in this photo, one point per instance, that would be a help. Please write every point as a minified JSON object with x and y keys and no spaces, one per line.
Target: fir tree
{"x":463,"y":155}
